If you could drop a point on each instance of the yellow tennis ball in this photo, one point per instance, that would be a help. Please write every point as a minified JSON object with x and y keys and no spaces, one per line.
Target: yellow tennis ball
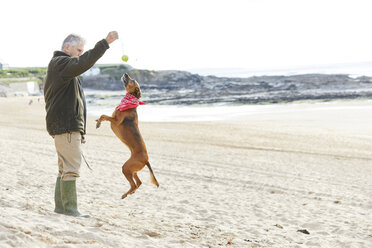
{"x":124,"y":58}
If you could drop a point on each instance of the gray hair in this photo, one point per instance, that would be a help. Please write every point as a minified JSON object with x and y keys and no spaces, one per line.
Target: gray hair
{"x":72,"y":39}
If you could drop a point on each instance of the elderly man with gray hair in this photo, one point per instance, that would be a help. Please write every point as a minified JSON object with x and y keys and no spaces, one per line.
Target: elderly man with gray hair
{"x":66,"y":113}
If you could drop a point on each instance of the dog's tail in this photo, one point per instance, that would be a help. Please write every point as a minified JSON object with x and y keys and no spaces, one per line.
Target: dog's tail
{"x":153,"y":179}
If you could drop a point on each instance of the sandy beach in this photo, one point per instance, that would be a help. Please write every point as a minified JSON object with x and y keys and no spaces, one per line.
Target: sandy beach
{"x":287,"y":175}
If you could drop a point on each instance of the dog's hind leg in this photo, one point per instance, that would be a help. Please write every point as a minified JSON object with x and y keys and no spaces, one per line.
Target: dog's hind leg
{"x":138,"y":181}
{"x":130,"y":169}
{"x":129,"y":175}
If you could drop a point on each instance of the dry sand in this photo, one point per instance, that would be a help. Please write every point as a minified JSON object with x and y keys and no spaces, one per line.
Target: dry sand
{"x":252,"y":181}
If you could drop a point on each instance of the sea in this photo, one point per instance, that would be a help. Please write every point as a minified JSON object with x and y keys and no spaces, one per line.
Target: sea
{"x":173,"y":113}
{"x":104,"y":102}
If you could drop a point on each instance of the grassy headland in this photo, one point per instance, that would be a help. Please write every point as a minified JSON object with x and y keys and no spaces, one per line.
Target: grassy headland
{"x":18,"y":75}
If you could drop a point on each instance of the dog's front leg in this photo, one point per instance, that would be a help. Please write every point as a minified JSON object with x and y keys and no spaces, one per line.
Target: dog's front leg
{"x":104,"y":118}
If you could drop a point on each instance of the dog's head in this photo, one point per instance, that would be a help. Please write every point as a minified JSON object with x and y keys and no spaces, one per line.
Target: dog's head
{"x":131,"y":86}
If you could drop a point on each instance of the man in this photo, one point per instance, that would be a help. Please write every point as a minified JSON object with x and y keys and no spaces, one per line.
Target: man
{"x":66,"y":113}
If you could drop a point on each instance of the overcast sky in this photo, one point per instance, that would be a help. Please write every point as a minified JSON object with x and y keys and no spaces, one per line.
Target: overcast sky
{"x":184,"y":34}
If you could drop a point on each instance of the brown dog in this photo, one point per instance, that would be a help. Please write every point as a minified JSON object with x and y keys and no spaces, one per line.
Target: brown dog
{"x":125,"y":125}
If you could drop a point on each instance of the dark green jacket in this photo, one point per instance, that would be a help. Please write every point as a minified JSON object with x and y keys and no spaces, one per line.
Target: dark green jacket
{"x":64,"y":97}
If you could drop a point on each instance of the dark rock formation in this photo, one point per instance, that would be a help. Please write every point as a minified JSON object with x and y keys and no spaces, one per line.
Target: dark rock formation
{"x":180,"y":87}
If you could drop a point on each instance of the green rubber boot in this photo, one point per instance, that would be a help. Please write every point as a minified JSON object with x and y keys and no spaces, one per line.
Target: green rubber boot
{"x":57,"y":197}
{"x":69,"y":199}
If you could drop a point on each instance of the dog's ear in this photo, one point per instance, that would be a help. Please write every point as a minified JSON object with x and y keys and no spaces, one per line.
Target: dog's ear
{"x":137,"y":93}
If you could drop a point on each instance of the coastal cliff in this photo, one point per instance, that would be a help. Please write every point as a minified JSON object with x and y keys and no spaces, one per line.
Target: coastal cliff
{"x":181,"y":87}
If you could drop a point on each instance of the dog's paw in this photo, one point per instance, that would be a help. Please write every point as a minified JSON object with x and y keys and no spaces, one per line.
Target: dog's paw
{"x":98,"y":124}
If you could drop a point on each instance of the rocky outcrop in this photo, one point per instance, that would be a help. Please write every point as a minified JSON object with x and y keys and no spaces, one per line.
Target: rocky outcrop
{"x":181,"y":87}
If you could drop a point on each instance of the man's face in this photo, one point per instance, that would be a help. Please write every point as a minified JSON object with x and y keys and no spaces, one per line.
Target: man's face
{"x":75,"y":50}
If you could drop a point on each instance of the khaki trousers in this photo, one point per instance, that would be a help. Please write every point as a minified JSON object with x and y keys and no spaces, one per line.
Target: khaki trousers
{"x":68,"y":147}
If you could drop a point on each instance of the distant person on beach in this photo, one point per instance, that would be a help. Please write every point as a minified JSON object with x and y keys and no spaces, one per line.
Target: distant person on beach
{"x":66,"y":113}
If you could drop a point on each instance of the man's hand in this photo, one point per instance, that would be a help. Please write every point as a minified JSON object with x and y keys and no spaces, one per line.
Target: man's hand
{"x":112,"y":36}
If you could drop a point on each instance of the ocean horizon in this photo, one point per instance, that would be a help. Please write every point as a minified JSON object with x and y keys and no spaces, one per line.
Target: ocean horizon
{"x":352,"y":69}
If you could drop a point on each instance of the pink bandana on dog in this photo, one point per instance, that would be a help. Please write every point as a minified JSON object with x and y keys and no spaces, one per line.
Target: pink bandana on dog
{"x":129,"y":102}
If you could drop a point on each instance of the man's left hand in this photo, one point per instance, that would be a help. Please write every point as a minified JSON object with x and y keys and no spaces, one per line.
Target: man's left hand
{"x":112,"y":36}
